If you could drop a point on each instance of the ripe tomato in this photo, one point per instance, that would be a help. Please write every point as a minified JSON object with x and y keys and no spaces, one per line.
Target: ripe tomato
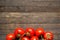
{"x":30,"y":32}
{"x":48,"y":36}
{"x":18,"y":32}
{"x":25,"y":38}
{"x":39,"y":32}
{"x":10,"y":37}
{"x":34,"y":38}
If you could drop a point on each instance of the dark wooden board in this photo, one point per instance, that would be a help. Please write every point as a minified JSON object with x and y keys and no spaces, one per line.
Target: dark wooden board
{"x":30,"y":5}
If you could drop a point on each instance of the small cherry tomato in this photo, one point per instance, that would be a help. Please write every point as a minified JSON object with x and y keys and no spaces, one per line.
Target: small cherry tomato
{"x":18,"y":32}
{"x":34,"y":38}
{"x":10,"y":37}
{"x":48,"y":36}
{"x":39,"y":32}
{"x":30,"y":32}
{"x":25,"y":38}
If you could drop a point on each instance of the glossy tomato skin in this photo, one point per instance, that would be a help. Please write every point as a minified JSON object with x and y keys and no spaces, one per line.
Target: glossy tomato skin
{"x":39,"y":32}
{"x":25,"y":38}
{"x":10,"y":37}
{"x":48,"y":36}
{"x":30,"y":32}
{"x":34,"y":38}
{"x":18,"y":32}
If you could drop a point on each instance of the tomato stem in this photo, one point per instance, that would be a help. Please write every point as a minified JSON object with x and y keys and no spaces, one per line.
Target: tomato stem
{"x":26,"y":34}
{"x":42,"y":37}
{"x":19,"y":38}
{"x":18,"y":35}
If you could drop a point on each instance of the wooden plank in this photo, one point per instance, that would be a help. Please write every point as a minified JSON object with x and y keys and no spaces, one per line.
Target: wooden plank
{"x":30,"y":9}
{"x":7,"y":28}
{"x":30,"y":18}
{"x":18,"y":14}
{"x":29,"y":2}
{"x":30,"y":6}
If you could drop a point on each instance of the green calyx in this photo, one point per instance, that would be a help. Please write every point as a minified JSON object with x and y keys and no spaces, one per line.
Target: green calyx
{"x":28,"y":34}
{"x":18,"y":35}
{"x":48,"y":36}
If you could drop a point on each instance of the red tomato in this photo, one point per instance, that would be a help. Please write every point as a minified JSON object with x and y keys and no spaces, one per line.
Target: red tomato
{"x":34,"y":38}
{"x":25,"y":38}
{"x":30,"y":32}
{"x":18,"y":32}
{"x":39,"y":32}
{"x":48,"y":36}
{"x":10,"y":37}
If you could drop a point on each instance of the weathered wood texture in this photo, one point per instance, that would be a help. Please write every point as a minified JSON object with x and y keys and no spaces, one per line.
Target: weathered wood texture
{"x":30,"y":5}
{"x":28,"y":18}
{"x":50,"y":21}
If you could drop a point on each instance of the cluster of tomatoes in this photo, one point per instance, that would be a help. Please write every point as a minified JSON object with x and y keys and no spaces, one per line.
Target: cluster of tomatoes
{"x":30,"y":34}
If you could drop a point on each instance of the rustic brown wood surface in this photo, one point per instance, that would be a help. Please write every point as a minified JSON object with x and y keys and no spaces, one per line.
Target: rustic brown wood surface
{"x":50,"y":21}
{"x":30,"y":5}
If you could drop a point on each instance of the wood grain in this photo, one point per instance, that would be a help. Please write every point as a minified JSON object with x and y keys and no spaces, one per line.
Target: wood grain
{"x":30,"y":6}
{"x":30,"y":18}
{"x":49,"y":21}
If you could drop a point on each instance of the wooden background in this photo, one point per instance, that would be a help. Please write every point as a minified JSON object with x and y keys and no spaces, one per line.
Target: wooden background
{"x":29,"y":13}
{"x":50,"y":21}
{"x":30,"y":5}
